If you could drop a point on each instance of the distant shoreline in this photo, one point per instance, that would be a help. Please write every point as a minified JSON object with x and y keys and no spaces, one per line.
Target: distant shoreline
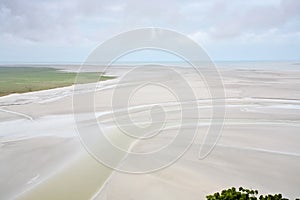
{"x":291,"y":65}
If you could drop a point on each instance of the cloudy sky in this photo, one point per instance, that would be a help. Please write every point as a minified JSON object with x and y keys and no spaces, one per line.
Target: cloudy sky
{"x":68,"y":30}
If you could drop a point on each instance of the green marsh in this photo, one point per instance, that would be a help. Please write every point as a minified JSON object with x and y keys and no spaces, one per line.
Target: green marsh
{"x":28,"y":79}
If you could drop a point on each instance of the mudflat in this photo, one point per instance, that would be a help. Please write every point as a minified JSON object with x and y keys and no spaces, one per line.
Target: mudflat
{"x":43,"y":157}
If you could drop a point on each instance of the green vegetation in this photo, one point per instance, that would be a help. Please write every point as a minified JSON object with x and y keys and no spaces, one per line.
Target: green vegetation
{"x":243,"y":194}
{"x":28,"y":79}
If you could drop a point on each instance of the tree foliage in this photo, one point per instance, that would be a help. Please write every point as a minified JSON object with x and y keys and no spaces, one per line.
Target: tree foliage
{"x":243,"y":194}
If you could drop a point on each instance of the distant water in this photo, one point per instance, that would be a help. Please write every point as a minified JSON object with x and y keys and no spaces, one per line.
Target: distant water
{"x":250,"y":65}
{"x":260,"y":65}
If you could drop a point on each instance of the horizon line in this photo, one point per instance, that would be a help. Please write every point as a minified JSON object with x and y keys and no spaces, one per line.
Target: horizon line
{"x":134,"y":61}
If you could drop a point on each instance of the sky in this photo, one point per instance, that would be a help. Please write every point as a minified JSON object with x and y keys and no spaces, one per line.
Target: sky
{"x":67,"y":31}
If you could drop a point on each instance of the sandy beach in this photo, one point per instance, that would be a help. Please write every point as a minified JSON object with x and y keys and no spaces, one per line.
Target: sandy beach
{"x":42,"y":156}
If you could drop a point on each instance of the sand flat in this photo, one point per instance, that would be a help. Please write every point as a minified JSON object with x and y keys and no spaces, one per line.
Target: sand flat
{"x":258,"y":148}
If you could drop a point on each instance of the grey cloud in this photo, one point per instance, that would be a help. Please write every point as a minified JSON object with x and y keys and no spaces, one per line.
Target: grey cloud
{"x":49,"y":20}
{"x":254,"y":19}
{"x":33,"y":20}
{"x":80,"y":20}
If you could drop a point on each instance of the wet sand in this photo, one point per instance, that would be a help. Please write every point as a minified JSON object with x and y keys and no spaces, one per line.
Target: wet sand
{"x":42,"y":157}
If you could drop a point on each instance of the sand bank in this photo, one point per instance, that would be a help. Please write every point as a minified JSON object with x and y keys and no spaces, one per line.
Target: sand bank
{"x":258,"y":147}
